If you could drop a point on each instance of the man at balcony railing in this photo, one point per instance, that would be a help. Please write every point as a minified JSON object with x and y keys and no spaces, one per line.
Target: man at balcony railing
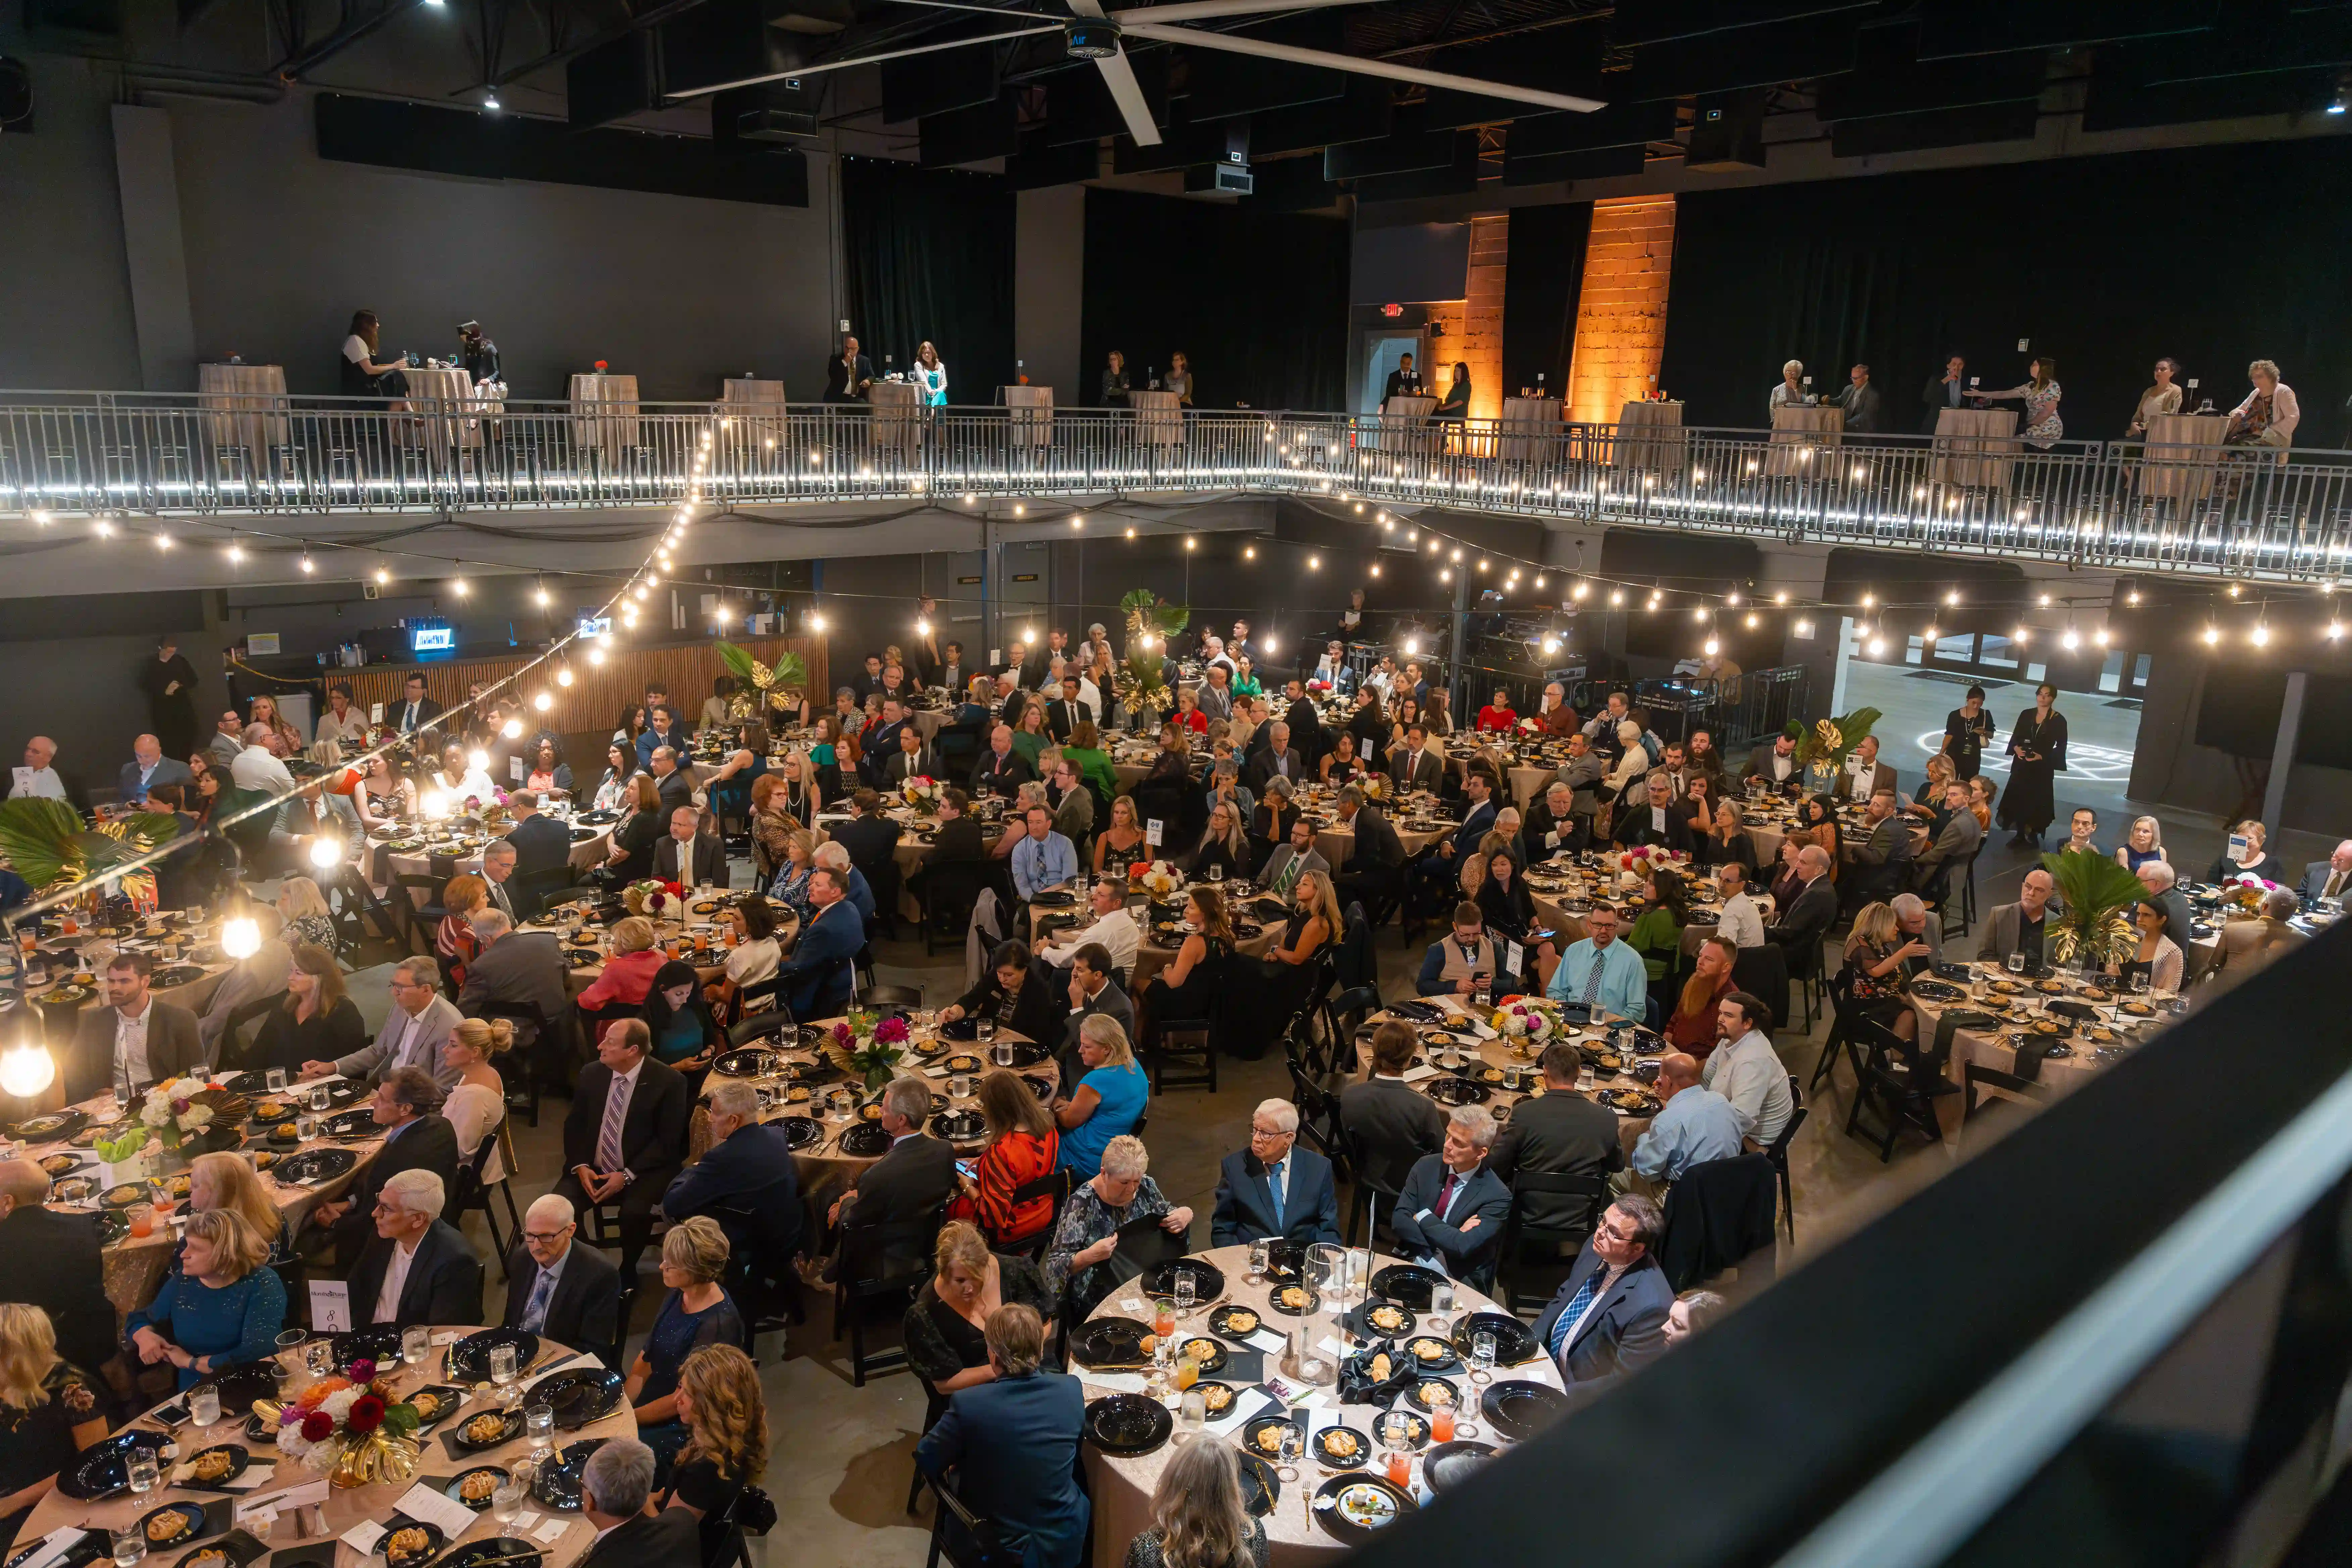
{"x":1864,"y":407}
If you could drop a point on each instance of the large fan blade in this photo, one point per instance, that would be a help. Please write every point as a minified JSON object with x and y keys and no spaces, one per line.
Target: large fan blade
{"x":1202,"y":10}
{"x":1241,"y":44}
{"x":822,"y":66}
{"x":1127,"y":93}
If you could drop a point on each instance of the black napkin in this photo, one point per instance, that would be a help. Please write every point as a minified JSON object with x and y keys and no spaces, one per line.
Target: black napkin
{"x":2029,"y":1052}
{"x":241,"y":1547}
{"x":1143,"y":1244}
{"x":317,"y":1555}
{"x":2082,"y":1012}
{"x":1954,"y":1020}
{"x":1356,"y":1385}
{"x":218,"y":1514}
{"x":1242,"y":1366}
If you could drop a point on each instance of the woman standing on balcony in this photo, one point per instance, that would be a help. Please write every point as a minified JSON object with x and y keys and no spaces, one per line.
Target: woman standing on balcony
{"x":2039,"y":393}
{"x":1455,"y":407}
{"x":931,"y":376}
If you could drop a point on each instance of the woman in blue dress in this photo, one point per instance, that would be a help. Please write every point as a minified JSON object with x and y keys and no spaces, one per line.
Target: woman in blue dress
{"x":696,"y":1312}
{"x":221,"y":1306}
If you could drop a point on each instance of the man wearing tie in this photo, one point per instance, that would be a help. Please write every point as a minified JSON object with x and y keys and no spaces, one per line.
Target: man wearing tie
{"x":1411,"y":766}
{"x":1451,"y":1211}
{"x":626,"y":1136}
{"x":497,"y":867}
{"x":685,"y":856}
{"x":1610,"y":1315}
{"x":413,"y":1032}
{"x":1942,"y":391}
{"x":416,"y":711}
{"x":557,"y":1288}
{"x":1274,"y":1190}
{"x":2328,"y":878}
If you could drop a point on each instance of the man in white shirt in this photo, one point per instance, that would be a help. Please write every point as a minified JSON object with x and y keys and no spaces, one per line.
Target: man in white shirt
{"x":133,"y":1037}
{"x":418,"y":1268}
{"x":38,"y":778}
{"x":258,"y":766}
{"x":1113,"y":927}
{"x":1742,"y":922}
{"x":413,"y":1032}
{"x":1746,"y":1070}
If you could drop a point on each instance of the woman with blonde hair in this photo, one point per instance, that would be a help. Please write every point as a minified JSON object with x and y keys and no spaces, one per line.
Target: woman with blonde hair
{"x":726,"y":1418}
{"x":219,"y":1306}
{"x":49,"y":1412}
{"x":1876,"y":953}
{"x":790,"y":887}
{"x":698,"y":1311}
{"x":304,"y":910}
{"x":224,"y":1181}
{"x":629,"y":971}
{"x":463,"y":897}
{"x":631,"y":859}
{"x":1108,"y":1101}
{"x":945,"y":1342}
{"x":1224,"y":846}
{"x":265,"y":711}
{"x":1119,"y":847}
{"x":1197,"y":1516}
{"x":476,"y":1106}
{"x":2145,"y":842}
{"x":2253,"y":862}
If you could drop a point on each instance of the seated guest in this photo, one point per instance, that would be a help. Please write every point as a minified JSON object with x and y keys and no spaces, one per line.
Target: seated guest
{"x":134,"y":1038}
{"x":49,"y":1413}
{"x":419,"y":1269}
{"x":871,"y":838}
{"x":1412,"y":767}
{"x":1739,"y":921}
{"x":1093,"y":989}
{"x":1657,"y":933}
{"x":698,"y":1311}
{"x":1809,"y":911}
{"x":2082,"y":830}
{"x":224,"y":1181}
{"x":1390,"y":1124}
{"x":1452,"y":1210}
{"x":1013,"y":996}
{"x":1883,"y":860}
{"x":899,"y":1192}
{"x":319,"y":1019}
{"x":726,"y":1417}
{"x":558,"y":1287}
{"x":1000,"y":771}
{"x":1293,"y":857}
{"x":2156,"y":955}
{"x":1695,"y":1125}
{"x":2328,"y":878}
{"x":2251,"y":860}
{"x":1559,"y":1132}
{"x":1022,"y":1146}
{"x":50,"y":1259}
{"x":2018,"y":927}
{"x":1112,"y":929}
{"x":1222,"y":848}
{"x":1601,"y":972}
{"x":1197,"y":1515}
{"x":414,"y":1028}
{"x":616,"y":1485}
{"x":463,"y":897}
{"x":1497,"y":715}
{"x":1455,"y":966}
{"x":523,"y":967}
{"x":1774,"y":762}
{"x":1120,"y":1192}
{"x":1187,"y":988}
{"x":1012,"y":1444}
{"x":1654,"y":822}
{"x":758,"y":951}
{"x":1108,"y":1101}
{"x":1044,"y":858}
{"x":1729,"y":844}
{"x":417,"y":1137}
{"x":689,"y":857}
{"x":745,"y":1180}
{"x":1746,"y":1070}
{"x":625,"y":1136}
{"x":1610,"y":1315}
{"x":540,"y":844}
{"x":2247,"y":946}
{"x":1553,"y":828}
{"x":818,"y":980}
{"x":685,"y":1034}
{"x":1692,"y":1311}
{"x":1956,"y":838}
{"x":629,"y":973}
{"x":1690,"y":1027}
{"x":219,"y":1305}
{"x":1877,"y":957}
{"x":946,"y":1327}
{"x":149,"y":767}
{"x":2158,"y":878}
{"x":1275,"y":1190}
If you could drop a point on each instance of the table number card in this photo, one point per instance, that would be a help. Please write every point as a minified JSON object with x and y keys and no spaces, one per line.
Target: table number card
{"x":1151,"y":830}
{"x":331,"y":1306}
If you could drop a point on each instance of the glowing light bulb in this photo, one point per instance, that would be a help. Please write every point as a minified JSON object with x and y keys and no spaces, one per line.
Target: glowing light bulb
{"x":459,"y":586}
{"x":241,"y":938}
{"x":2070,"y":640}
{"x":1445,"y":575}
{"x":1249,"y":551}
{"x":816,"y":622}
{"x":2213,"y":636}
{"x":542,"y":598}
{"x":478,"y":760}
{"x":1411,"y":646}
{"x":309,"y":565}
{"x":382,"y":577}
{"x":1713,"y":647}
{"x":1267,"y":642}
{"x":1878,"y":646}
{"x":1314,"y":564}
{"x":26,"y":1068}
{"x":544,"y":701}
{"x":1539,"y":582}
{"x":326,"y":851}
{"x":1551,"y":646}
{"x":513,"y":728}
{"x":596,"y":655}
{"x":435,"y":802}
{"x":163,"y":541}
{"x":235,"y":555}
{"x":102,"y":528}
{"x":1376,"y":568}
{"x":1579,"y":591}
{"x":563,"y":676}
{"x":2260,"y":637}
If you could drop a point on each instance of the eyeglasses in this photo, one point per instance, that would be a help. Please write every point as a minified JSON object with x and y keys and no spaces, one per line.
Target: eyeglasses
{"x":548,"y":1235}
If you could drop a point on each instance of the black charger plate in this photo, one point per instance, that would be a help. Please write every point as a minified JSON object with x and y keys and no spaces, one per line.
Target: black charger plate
{"x":1407,"y":1284}
{"x":316,"y":1164}
{"x":470,"y":1358}
{"x":1208,"y":1279}
{"x":579,"y":1394}
{"x":498,"y":1552}
{"x":1520,"y":1410}
{"x":1514,"y":1340}
{"x":98,"y":1471}
{"x":558,"y":1485}
{"x":1127,"y":1426}
{"x":1328,"y":1512}
{"x":1448,"y":1464}
{"x":1102,"y":1342}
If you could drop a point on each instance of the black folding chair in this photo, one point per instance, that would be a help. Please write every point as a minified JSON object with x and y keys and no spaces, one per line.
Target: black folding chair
{"x":966,"y":1538}
{"x":473,"y":1192}
{"x":948,"y":893}
{"x":540,"y":1055}
{"x":866,"y":1277}
{"x":1975,"y":1079}
{"x":1901,"y":1084}
{"x":1054,"y":1184}
{"x":1536,"y":1257}
{"x":235,"y":1053}
{"x":1779,"y":1154}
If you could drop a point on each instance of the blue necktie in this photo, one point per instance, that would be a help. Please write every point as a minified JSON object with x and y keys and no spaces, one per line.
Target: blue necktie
{"x":1572,"y":1313}
{"x":534,"y":1311}
{"x":1274,"y":1190}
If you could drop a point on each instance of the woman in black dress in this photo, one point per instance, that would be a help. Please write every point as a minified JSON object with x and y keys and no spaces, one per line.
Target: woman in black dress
{"x":633,"y":840}
{"x":2037,"y":750}
{"x":945,"y":1346}
{"x":726,"y":1449}
{"x":318,"y":1022}
{"x":49,"y":1412}
{"x":1185,"y":989}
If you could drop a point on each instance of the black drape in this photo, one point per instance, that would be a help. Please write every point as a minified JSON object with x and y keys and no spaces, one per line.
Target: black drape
{"x":2214,"y":255}
{"x":1542,"y":280}
{"x":1257,"y":301}
{"x":928,"y":254}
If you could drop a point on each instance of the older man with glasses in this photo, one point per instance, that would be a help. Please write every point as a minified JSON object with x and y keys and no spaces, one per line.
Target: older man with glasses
{"x":555,"y":1287}
{"x":413,"y":1032}
{"x":1274,"y":1190}
{"x":418,"y":1270}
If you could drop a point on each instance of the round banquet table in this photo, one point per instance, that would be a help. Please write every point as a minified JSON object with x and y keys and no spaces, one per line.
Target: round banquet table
{"x":1121,"y":1488}
{"x":911,"y":852}
{"x":348,"y":1506}
{"x":1152,"y":954}
{"x":384,"y":863}
{"x":698,"y":917}
{"x":89,"y":947}
{"x":1996,"y":1047}
{"x":134,"y":1265}
{"x":1497,"y":1056}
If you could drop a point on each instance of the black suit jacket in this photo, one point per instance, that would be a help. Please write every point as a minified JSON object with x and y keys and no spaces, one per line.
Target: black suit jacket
{"x":1931,"y":397}
{"x":1377,"y":844}
{"x":1392,"y":1125}
{"x":903,"y":766}
{"x":900,"y":1192}
{"x":653,"y":1130}
{"x":540,"y":844}
{"x":1002,"y":775}
{"x":1808,"y":918}
{"x":1036,"y":1013}
{"x":585,"y":1310}
{"x":443,"y":1284}
{"x":1245,"y":1211}
{"x":837,"y":379}
{"x":676,"y":789}
{"x":522,"y":966}
{"x":397,"y":715}
{"x":748,"y":1185}
{"x":173,"y":1047}
{"x":1261,"y":769}
{"x":1467,"y":1251}
{"x":1063,"y":716}
{"x":1633,"y":826}
{"x":670,"y":1538}
{"x":871,"y":841}
{"x":429,"y":1143}
{"x":51,"y":1260}
{"x":1575,"y":832}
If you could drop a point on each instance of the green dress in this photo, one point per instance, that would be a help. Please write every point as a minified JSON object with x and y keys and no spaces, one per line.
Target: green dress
{"x":1094,"y":766}
{"x":1028,"y":745}
{"x":1657,"y":939}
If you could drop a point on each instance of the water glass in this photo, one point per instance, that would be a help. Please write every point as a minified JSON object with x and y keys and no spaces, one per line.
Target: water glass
{"x":959,"y":1086}
{"x":2017,"y":963}
{"x":539,"y":1421}
{"x":204,"y":1405}
{"x":142,"y":1469}
{"x":1294,"y":1444}
{"x":319,"y":1355}
{"x":1216,"y":873}
{"x":502,"y":1365}
{"x":506,"y":1502}
{"x":130,"y":1544}
{"x":984,"y":1030}
{"x":260,"y":1524}
{"x":2138,"y":983}
{"x":1257,"y":1261}
{"x":306,"y":1127}
{"x":1002,"y":1054}
{"x":1192,"y":1413}
{"x":275,"y":1078}
{"x":1184,"y":1289}
{"x":1482,"y":1357}
{"x":416,"y":1344}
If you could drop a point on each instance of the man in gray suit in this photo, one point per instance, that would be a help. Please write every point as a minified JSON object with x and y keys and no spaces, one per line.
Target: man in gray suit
{"x":1955,"y":841}
{"x":228,"y":741}
{"x":413,"y":1032}
{"x":1884,"y":857}
{"x":1293,"y":859}
{"x":519,"y":966}
{"x":2017,"y":927}
{"x":149,"y":767}
{"x":132,"y":1034}
{"x":1874,"y":775}
{"x":1864,"y":410}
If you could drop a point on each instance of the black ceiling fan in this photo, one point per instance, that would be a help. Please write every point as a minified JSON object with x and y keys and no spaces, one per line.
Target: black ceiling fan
{"x":1093,"y":34}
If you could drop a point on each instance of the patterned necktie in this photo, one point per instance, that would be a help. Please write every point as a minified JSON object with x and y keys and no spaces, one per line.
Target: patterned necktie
{"x":1571,"y":1314}
{"x":534,"y":1311}
{"x":2335,"y":885}
{"x":1274,"y":1189}
{"x":1593,"y":980}
{"x":608,"y":1138}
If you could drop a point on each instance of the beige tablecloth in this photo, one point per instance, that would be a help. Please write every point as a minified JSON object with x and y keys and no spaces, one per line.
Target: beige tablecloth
{"x":2182,"y":455}
{"x":1528,"y":429}
{"x":251,"y":403}
{"x":1031,"y":410}
{"x":1798,"y":435}
{"x":1996,"y":1049}
{"x":605,"y":412}
{"x":1973,"y":449}
{"x":897,"y":423}
{"x":1158,"y":417}
{"x":1650,"y":435}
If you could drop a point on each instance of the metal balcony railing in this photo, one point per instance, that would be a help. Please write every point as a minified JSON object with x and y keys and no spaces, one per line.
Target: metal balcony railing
{"x":2247,"y":511}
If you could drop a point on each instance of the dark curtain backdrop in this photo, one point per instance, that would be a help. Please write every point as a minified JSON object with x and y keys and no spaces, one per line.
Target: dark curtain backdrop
{"x":2214,"y":255}
{"x":928,"y":254}
{"x":1542,"y":277}
{"x":1257,"y":300}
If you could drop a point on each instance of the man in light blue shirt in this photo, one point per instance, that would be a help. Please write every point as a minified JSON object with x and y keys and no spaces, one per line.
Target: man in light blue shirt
{"x":1044,"y":858}
{"x":1602,"y":972}
{"x":1695,"y":1125}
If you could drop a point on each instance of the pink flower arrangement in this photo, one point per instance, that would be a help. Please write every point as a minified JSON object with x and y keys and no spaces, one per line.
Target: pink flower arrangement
{"x":891,"y":1031}
{"x":843,"y":1036}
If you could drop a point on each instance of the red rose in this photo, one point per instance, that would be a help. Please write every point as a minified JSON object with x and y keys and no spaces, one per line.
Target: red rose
{"x":318,"y":1427}
{"x":367,"y":1414}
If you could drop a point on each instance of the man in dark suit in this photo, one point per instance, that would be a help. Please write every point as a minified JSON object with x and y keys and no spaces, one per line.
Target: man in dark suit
{"x":518,"y":966}
{"x":147,"y":768}
{"x":1001,"y":771}
{"x":132,"y":1034}
{"x":879,"y":743}
{"x":1798,"y":930}
{"x":1775,"y":762}
{"x":616,"y":1486}
{"x":817,"y":979}
{"x":1068,"y":710}
{"x":1371,"y":865}
{"x":418,"y":1268}
{"x":911,"y":760}
{"x":1557,"y":1133}
{"x":1864,"y":407}
{"x":1412,"y":765}
{"x":1452,"y":1211}
{"x":901,"y":1192}
{"x":541,"y":843}
{"x":1275,"y":1190}
{"x":417,"y":1137}
{"x":1478,"y":811}
{"x":687,"y":855}
{"x":51,"y":1260}
{"x":871,"y":838}
{"x":848,"y":375}
{"x":415,"y":711}
{"x":1402,"y":382}
{"x":1883,"y":860}
{"x":2018,"y":927}
{"x":1654,"y":821}
{"x":1554,"y":828}
{"x":1012,"y":1442}
{"x":671,"y":782}
{"x":1874,"y":775}
{"x":1389,"y":1124}
{"x":1610,"y":1315}
{"x":1956,"y":839}
{"x":626,"y":1136}
{"x":558,"y":1287}
{"x":1947,"y":390}
{"x":1305,"y":724}
{"x":745,"y":1181}
{"x":2328,"y":878}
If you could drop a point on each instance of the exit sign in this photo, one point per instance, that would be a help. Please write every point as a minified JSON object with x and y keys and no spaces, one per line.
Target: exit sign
{"x":1392,"y":311}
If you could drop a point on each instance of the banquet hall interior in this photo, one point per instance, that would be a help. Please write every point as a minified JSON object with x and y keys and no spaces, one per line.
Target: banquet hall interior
{"x":1223,"y":782}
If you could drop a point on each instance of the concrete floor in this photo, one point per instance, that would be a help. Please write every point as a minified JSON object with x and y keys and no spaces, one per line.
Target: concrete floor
{"x":1914,"y":703}
{"x":843,"y":1456}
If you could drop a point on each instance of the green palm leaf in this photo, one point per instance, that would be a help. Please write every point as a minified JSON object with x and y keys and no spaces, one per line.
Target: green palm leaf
{"x":47,"y":843}
{"x":790,"y":672}
{"x":738,"y":662}
{"x":2095,"y":897}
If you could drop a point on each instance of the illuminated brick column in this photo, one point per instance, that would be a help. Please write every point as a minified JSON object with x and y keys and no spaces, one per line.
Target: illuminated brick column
{"x":1621,"y":313}
{"x":1481,"y":345}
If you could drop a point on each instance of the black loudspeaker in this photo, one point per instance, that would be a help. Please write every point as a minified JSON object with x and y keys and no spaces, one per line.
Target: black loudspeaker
{"x":1728,"y":131}
{"x":15,"y":97}
{"x":612,"y":81}
{"x":774,"y":112}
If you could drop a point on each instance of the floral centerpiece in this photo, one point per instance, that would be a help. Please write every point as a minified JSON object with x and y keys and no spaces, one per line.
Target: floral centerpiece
{"x":651,"y":898}
{"x":1529,"y":1023}
{"x":347,"y":1429}
{"x":875,"y":1045}
{"x":1642,"y":857}
{"x":175,"y":1111}
{"x":923,"y":793}
{"x":1375,"y":786}
{"x":1139,"y":680}
{"x":1159,"y":878}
